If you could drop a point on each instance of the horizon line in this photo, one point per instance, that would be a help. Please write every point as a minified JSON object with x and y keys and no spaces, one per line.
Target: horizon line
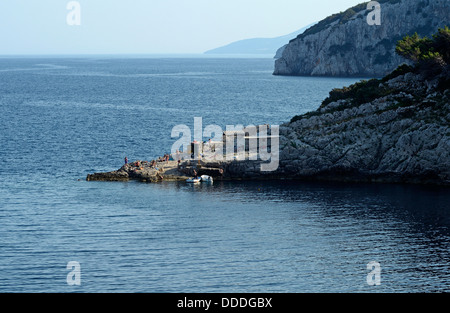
{"x":173,"y":55}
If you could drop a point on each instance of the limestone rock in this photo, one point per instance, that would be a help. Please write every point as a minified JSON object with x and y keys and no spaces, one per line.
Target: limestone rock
{"x":346,"y":45}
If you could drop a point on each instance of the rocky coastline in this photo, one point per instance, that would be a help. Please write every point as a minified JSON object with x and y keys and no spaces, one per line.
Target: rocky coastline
{"x":344,"y":44}
{"x":401,"y":137}
{"x":390,"y":130}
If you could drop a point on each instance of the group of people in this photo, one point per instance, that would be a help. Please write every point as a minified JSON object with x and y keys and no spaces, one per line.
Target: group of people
{"x":165,"y":158}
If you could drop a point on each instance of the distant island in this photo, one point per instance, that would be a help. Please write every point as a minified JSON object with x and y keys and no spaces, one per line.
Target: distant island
{"x":344,"y":44}
{"x":254,"y":46}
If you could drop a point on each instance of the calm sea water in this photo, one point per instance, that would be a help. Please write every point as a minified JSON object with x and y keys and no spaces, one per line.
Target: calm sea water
{"x":63,"y":118}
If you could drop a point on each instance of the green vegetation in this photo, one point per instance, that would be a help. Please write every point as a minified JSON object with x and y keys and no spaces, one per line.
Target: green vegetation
{"x":413,"y":47}
{"x":441,"y":43}
{"x":342,"y":18}
{"x":359,"y":93}
{"x":430,"y":57}
{"x":419,"y":49}
{"x":401,"y":70}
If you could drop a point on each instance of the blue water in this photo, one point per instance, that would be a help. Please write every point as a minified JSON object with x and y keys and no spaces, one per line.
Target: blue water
{"x":63,"y":118}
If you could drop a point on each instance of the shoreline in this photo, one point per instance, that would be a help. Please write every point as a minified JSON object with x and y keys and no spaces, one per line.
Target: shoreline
{"x":170,"y":171}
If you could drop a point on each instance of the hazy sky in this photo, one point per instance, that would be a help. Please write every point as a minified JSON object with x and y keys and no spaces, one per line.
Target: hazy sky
{"x":151,"y":26}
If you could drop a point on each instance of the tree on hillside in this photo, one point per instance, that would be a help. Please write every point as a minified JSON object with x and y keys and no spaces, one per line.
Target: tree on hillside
{"x":431,"y":56}
{"x":413,"y":47}
{"x":416,"y":48}
{"x":442,"y":43}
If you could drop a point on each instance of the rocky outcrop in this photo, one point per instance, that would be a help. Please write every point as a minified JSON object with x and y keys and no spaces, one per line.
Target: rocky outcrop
{"x":143,"y":171}
{"x":346,"y":45}
{"x":401,"y":136}
{"x":393,"y":130}
{"x":120,"y":175}
{"x":280,"y":51}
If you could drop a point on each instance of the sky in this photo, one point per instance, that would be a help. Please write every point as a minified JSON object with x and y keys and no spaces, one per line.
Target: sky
{"x":151,"y":26}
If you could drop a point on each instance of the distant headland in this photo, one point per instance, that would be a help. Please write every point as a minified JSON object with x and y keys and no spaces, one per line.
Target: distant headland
{"x":344,"y":44}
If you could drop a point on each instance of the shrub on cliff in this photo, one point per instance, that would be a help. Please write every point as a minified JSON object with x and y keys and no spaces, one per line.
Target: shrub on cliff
{"x":431,"y":59}
{"x":401,"y":70}
{"x":413,"y":47}
{"x":430,"y":56}
{"x":442,"y":43}
{"x":359,"y":93}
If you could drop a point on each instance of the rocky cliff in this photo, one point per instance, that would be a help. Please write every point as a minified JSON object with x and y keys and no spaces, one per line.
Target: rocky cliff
{"x":395,"y":129}
{"x":346,"y":45}
{"x":391,"y":139}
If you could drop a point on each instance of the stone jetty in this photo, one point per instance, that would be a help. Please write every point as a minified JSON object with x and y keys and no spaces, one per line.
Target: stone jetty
{"x":149,"y":171}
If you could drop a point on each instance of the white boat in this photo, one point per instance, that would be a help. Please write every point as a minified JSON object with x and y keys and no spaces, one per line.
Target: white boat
{"x":194,"y":180}
{"x":206,"y":179}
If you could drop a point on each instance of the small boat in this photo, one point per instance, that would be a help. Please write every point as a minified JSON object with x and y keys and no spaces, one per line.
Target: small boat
{"x":206,"y":179}
{"x":194,"y":180}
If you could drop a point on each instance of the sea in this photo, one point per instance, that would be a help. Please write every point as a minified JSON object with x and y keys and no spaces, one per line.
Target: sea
{"x":62,"y":118}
